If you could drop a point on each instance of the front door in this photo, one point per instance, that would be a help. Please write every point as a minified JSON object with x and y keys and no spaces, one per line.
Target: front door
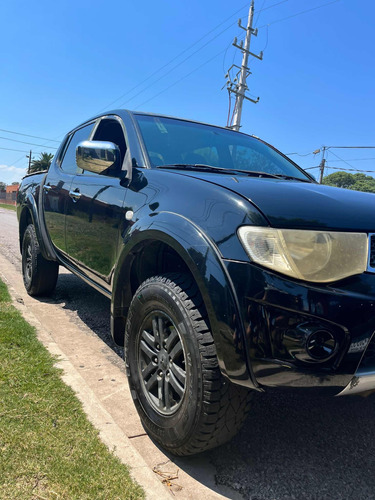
{"x":95,"y":213}
{"x":57,"y":186}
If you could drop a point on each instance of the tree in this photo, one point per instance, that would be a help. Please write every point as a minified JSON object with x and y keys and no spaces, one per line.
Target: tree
{"x":2,"y":186}
{"x":43,"y":163}
{"x":356,"y":182}
{"x":339,"y":179}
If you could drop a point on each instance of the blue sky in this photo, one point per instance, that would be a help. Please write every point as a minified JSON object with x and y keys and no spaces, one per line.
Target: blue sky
{"x":62,"y":62}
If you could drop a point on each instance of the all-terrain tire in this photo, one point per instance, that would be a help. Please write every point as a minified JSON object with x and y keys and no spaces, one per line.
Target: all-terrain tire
{"x":209,"y":410}
{"x":39,"y":274}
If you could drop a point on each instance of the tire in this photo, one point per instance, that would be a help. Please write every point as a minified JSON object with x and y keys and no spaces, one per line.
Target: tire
{"x":39,"y":274}
{"x":183,"y":400}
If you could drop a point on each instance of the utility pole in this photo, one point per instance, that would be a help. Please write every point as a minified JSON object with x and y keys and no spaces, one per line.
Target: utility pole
{"x":239,"y":87}
{"x":29,"y":157}
{"x":322,"y":164}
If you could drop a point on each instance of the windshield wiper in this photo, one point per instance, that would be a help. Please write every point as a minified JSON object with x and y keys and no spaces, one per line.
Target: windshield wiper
{"x":230,"y":171}
{"x":211,"y":168}
{"x":197,"y":166}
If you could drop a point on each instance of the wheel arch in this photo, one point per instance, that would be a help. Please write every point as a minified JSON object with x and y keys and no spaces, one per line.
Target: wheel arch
{"x":169,"y":243}
{"x":30,"y":212}
{"x":25,"y":219}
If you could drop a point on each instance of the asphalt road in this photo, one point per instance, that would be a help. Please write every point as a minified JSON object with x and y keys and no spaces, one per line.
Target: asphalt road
{"x":293,"y":445}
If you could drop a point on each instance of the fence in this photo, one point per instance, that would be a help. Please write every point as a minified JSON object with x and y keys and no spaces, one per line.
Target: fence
{"x":8,"y":198}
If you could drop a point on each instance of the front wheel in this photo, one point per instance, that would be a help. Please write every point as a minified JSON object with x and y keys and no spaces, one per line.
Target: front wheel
{"x":183,"y":400}
{"x":39,"y":274}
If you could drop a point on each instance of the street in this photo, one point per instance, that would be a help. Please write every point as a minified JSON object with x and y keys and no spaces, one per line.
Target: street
{"x":292,"y":446}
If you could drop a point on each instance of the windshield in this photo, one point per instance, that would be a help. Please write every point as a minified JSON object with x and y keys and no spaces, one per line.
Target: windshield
{"x":171,"y":141}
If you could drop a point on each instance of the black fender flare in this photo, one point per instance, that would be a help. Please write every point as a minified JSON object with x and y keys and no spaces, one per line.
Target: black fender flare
{"x":29,"y":204}
{"x":204,"y":261}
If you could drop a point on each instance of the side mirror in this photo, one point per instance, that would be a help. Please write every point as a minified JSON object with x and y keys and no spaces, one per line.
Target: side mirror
{"x":97,"y":156}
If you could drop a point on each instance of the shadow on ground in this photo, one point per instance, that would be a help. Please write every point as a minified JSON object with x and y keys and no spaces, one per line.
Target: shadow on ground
{"x":92,"y":308}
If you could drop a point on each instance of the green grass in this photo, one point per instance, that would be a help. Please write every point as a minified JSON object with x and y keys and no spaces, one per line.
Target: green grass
{"x":9,"y":207}
{"x":48,"y":449}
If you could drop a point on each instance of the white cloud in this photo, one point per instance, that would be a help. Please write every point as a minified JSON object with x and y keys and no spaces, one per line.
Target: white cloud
{"x":9,"y":173}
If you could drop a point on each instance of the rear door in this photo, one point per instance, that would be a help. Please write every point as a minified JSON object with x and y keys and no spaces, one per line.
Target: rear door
{"x":94,"y":212}
{"x":57,"y":185}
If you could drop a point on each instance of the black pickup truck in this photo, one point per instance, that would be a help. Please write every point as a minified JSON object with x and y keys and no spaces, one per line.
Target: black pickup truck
{"x":229,"y":269}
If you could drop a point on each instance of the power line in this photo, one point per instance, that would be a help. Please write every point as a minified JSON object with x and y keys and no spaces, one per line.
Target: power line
{"x":189,"y":56}
{"x":30,"y":143}
{"x":19,"y":159}
{"x":269,"y":7}
{"x":28,"y":135}
{"x":259,"y":12}
{"x":350,"y":147}
{"x":178,"y":81}
{"x":180,"y":54}
{"x":176,"y":66}
{"x":353,"y":170}
{"x":197,"y":68}
{"x":266,"y":44}
{"x":19,"y":150}
{"x":347,"y":163}
{"x":175,"y":58}
{"x":334,"y":147}
{"x":200,"y":66}
{"x":354,"y":159}
{"x":341,"y":170}
{"x":299,"y":13}
{"x":328,"y":149}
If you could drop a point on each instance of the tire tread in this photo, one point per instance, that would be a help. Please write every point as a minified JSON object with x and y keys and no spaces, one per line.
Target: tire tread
{"x":225,"y":405}
{"x":45,"y":272}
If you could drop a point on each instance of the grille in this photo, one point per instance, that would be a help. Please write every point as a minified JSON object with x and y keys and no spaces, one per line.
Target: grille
{"x":371,"y":262}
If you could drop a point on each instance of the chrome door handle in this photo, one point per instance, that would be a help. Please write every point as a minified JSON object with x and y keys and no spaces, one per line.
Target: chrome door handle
{"x":75,"y":195}
{"x":47,"y":188}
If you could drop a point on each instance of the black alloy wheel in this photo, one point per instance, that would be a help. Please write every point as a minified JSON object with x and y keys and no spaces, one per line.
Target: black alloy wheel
{"x":183,"y":400}
{"x":161,"y":363}
{"x":28,"y":267}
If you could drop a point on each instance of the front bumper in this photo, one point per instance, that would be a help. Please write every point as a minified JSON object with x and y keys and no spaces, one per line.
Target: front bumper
{"x":280,"y":315}
{"x":364,"y":377}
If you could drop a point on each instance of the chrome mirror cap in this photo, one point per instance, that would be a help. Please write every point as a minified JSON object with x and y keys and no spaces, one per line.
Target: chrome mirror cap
{"x":97,"y":156}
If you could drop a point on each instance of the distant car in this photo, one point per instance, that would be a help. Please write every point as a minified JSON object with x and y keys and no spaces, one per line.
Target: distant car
{"x":228,"y":267}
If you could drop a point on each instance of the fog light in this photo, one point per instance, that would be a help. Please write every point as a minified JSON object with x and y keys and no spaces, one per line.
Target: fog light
{"x":310,"y":343}
{"x":321,"y":345}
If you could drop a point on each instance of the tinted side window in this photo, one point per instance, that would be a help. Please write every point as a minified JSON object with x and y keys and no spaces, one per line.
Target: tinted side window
{"x":69,"y":164}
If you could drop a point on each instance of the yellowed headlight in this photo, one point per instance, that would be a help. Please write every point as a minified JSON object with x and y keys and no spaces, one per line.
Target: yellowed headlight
{"x":317,"y":256}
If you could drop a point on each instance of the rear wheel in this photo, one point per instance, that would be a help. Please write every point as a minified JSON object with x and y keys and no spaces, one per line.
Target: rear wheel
{"x":39,"y":274}
{"x":183,"y":400}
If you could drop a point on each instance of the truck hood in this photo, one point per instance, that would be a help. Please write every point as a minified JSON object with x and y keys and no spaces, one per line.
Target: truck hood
{"x":295,"y":204}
